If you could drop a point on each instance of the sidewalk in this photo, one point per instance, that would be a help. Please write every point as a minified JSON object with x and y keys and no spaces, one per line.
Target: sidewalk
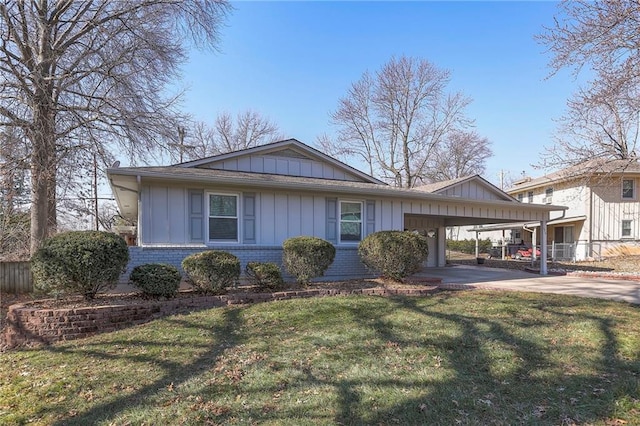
{"x":481,"y":277}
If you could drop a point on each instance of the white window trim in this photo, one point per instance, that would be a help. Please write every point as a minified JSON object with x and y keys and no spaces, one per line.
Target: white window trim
{"x":626,"y":237}
{"x":633,"y":189}
{"x":208,"y":217}
{"x":340,"y":202}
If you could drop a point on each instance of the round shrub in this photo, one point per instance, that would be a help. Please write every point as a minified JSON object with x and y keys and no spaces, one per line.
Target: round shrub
{"x":79,"y":262}
{"x":265,"y":275}
{"x":394,"y":254}
{"x":212,"y":271}
{"x":155,"y":279}
{"x":307,"y":257}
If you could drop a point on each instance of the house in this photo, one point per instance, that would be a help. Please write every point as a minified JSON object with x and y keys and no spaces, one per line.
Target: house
{"x":249,"y":202}
{"x":603,"y":210}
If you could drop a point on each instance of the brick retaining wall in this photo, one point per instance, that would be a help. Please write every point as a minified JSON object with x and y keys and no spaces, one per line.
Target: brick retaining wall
{"x":28,"y":325}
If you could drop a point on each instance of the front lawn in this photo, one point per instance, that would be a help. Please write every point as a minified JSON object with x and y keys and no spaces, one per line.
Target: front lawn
{"x":453,"y":358}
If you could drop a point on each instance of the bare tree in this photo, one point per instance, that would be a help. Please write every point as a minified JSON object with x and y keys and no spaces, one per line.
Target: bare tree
{"x":249,"y":129}
{"x":90,"y":76}
{"x":395,"y":119}
{"x":601,"y":121}
{"x":461,"y":153}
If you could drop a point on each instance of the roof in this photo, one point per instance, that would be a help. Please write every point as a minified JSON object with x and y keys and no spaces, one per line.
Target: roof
{"x":438,"y":186}
{"x":515,"y":225}
{"x":265,"y":180}
{"x":443,"y":186}
{"x":585,"y":170}
{"x":279,"y":146}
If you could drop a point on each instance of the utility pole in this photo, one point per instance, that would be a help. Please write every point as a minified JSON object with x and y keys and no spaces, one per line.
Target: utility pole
{"x":181,"y":134}
{"x":95,"y":190}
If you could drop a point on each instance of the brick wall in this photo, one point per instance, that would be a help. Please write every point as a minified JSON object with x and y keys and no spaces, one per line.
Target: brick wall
{"x":346,"y":265}
{"x":27,"y":324}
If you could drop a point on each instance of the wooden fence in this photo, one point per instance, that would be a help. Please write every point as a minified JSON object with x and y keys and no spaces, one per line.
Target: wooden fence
{"x":15,"y":277}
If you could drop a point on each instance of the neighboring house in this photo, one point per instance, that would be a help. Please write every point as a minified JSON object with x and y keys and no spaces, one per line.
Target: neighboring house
{"x":249,"y":202}
{"x":603,"y":209}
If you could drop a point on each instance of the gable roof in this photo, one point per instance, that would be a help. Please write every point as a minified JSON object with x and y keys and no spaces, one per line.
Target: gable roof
{"x":597,"y":167}
{"x":288,"y":147}
{"x":447,"y":185}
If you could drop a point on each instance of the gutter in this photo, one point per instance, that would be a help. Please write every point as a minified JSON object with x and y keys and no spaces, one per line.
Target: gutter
{"x":382,"y":191}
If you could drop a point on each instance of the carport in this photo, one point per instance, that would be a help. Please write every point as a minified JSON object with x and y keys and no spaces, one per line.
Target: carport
{"x":473,"y":201}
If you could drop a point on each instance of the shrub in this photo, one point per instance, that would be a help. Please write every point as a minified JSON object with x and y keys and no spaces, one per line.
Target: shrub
{"x":155,"y":279}
{"x":469,"y":246}
{"x":81,"y":262}
{"x":266,"y":276}
{"x":212,"y":271}
{"x":394,"y":254}
{"x":307,"y":257}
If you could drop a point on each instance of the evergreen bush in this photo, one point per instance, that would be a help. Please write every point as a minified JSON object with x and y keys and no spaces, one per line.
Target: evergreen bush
{"x":212,"y":271}
{"x":265,"y":275}
{"x":79,"y":262}
{"x":155,"y":279}
{"x":394,"y":254}
{"x":469,"y":246}
{"x":307,"y":257}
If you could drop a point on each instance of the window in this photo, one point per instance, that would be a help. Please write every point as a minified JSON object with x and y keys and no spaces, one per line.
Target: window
{"x":627,"y":188}
{"x":520,"y":197}
{"x":223,"y":217}
{"x":350,"y":221}
{"x":626,"y":228}
{"x":530,"y":196}
{"x":548,"y":195}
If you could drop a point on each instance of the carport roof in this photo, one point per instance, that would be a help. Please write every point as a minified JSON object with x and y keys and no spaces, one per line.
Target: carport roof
{"x":514,"y":225}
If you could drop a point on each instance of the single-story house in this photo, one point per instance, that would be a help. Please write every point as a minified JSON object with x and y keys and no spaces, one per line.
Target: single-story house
{"x":249,"y":202}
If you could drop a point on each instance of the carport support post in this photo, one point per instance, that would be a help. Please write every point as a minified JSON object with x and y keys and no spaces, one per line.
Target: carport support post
{"x":543,"y":247}
{"x":477,"y":246}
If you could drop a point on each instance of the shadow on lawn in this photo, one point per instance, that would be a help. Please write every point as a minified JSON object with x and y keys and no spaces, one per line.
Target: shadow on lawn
{"x":174,"y":373}
{"x":527,"y":386}
{"x":533,"y":393}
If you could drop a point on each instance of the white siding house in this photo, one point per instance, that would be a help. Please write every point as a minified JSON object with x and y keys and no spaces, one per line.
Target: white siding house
{"x":603,"y":209}
{"x":249,"y":202}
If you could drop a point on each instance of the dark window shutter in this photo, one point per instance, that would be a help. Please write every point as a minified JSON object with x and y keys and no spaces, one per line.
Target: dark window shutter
{"x":371,"y":217}
{"x":196,"y":215}
{"x":332,"y":220}
{"x":249,"y":218}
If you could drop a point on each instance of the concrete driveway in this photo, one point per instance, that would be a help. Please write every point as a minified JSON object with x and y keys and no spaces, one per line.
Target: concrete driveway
{"x":461,"y":276}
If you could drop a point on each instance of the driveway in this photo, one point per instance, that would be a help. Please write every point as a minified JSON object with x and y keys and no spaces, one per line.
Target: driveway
{"x":463,"y":276}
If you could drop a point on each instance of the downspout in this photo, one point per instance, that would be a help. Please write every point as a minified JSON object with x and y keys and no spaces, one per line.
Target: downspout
{"x":139,"y":232}
{"x":590,"y":230}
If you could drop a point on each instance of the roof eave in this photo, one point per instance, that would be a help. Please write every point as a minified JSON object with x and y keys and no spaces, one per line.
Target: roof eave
{"x":382,"y":190}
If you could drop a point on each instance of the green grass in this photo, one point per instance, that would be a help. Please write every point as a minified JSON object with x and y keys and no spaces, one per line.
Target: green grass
{"x":484,"y":358}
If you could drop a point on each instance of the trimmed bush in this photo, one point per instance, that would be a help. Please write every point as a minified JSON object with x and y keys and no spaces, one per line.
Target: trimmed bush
{"x":79,"y":262}
{"x":265,"y":275}
{"x":394,"y":254}
{"x":469,"y":246}
{"x":156,"y":279}
{"x":212,"y":271}
{"x":307,"y":257}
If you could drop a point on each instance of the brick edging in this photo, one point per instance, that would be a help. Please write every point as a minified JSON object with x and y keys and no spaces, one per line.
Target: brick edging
{"x":28,"y":325}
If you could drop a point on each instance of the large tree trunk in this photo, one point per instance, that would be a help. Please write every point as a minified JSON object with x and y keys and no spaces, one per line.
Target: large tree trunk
{"x":39,"y":201}
{"x":43,"y":170}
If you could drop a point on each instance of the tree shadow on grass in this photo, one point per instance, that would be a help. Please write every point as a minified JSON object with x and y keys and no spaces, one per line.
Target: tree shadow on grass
{"x":498,"y":370}
{"x":535,"y":392}
{"x":174,"y":373}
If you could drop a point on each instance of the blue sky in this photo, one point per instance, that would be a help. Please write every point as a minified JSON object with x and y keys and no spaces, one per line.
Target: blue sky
{"x":292,"y":61}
